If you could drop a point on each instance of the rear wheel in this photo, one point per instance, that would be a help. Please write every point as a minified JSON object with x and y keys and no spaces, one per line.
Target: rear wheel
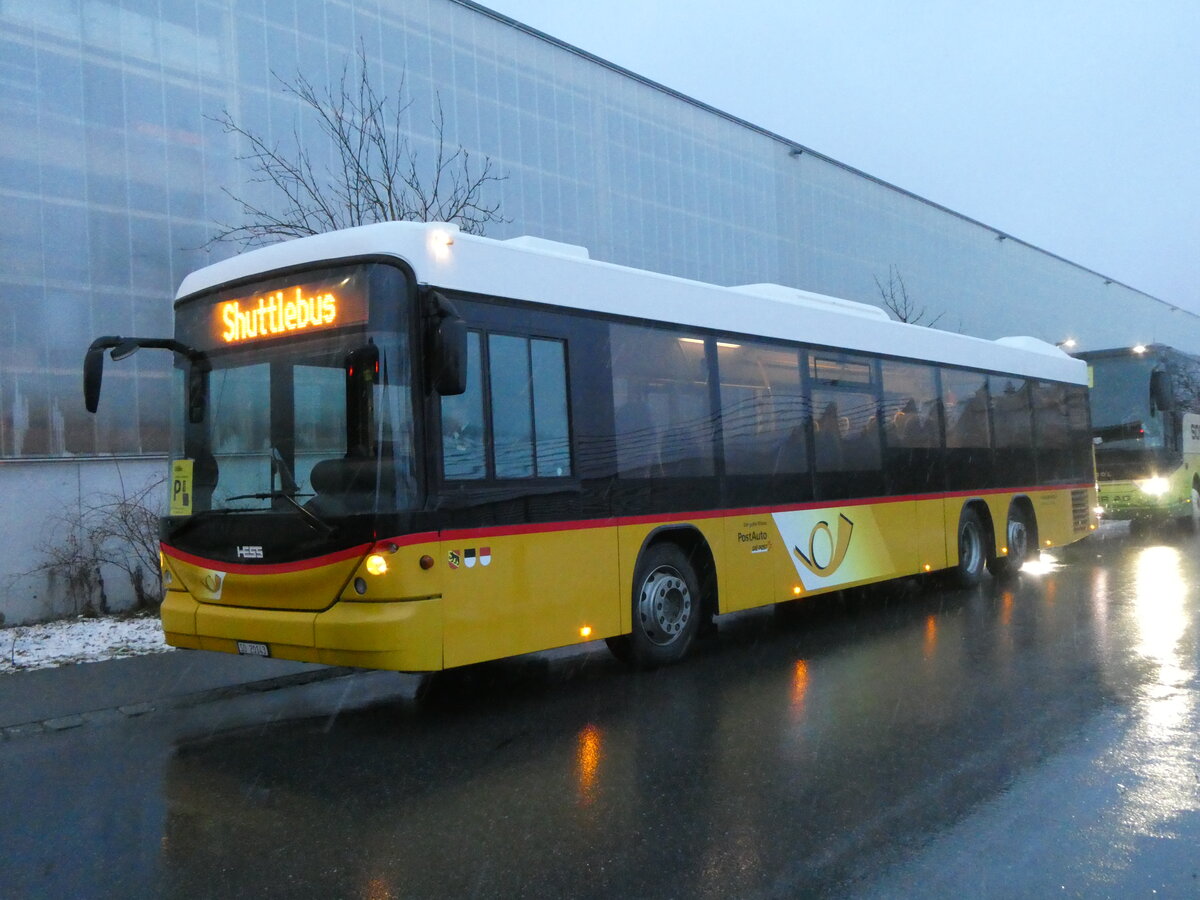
{"x":1020,"y":537}
{"x":666,"y":609}
{"x":972,"y":549}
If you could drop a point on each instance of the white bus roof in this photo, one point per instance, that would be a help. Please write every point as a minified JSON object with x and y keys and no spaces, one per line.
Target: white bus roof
{"x":541,"y":271}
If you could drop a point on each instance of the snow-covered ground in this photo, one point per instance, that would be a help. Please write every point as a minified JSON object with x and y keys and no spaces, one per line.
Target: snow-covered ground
{"x":78,"y":640}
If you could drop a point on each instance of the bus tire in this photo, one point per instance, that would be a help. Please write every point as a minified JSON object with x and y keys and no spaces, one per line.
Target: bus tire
{"x":1020,"y":535}
{"x":666,"y":608}
{"x":972,"y":549}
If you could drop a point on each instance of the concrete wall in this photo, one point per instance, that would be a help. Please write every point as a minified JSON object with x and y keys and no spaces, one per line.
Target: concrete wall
{"x":38,"y":501}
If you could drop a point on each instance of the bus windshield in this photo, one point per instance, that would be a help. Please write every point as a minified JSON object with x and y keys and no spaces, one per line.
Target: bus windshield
{"x":1121,"y":415}
{"x":320,"y":424}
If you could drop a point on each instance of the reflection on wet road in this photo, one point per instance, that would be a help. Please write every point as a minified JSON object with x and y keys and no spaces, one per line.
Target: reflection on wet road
{"x":1008,"y":741}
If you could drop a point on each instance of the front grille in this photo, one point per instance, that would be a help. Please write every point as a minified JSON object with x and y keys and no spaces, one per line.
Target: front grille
{"x":1080,"y":515}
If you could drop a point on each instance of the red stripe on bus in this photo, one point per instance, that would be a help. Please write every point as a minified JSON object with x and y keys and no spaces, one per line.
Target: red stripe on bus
{"x":666,"y":518}
{"x":302,"y":565}
{"x":462,"y":534}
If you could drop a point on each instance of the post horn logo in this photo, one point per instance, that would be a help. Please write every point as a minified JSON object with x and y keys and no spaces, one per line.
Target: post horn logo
{"x":840,"y":545}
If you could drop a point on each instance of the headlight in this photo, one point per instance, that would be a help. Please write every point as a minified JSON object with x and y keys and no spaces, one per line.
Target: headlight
{"x":1155,"y":487}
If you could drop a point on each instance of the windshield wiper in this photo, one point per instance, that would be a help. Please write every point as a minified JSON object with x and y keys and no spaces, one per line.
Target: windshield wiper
{"x":287,"y":481}
{"x":290,"y":496}
{"x":288,"y":492}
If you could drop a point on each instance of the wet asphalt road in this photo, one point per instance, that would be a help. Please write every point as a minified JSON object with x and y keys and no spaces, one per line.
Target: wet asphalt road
{"x":1036,"y":740}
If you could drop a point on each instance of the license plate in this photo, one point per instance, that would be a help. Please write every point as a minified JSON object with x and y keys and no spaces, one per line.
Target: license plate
{"x":253,"y":648}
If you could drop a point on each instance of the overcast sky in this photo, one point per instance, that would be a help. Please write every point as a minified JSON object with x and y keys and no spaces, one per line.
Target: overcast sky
{"x":1072,"y":125}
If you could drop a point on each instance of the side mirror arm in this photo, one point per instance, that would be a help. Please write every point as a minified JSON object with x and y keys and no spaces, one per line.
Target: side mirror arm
{"x":121,"y":347}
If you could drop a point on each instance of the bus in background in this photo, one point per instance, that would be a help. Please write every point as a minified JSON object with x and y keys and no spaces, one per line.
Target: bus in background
{"x":403,"y":447}
{"x":1146,"y":424}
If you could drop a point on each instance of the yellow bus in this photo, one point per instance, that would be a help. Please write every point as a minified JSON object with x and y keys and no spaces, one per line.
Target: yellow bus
{"x":1146,"y":426}
{"x":404,"y":447}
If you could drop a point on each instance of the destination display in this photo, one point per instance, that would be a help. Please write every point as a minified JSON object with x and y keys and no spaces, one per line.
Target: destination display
{"x":291,"y":310}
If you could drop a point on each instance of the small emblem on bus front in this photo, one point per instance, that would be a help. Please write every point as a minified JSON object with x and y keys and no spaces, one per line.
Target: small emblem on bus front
{"x":249,"y":552}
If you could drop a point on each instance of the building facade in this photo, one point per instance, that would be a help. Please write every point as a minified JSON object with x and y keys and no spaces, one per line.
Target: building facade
{"x":114,"y":172}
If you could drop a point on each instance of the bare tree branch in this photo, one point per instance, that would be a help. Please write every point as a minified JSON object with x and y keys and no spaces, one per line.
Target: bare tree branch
{"x":895,"y":297}
{"x":375,"y":173}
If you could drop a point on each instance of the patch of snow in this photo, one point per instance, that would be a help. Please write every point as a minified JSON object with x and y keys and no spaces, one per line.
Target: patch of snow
{"x":24,"y":647}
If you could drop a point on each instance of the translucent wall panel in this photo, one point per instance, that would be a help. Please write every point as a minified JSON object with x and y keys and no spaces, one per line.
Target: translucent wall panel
{"x":112,"y":169}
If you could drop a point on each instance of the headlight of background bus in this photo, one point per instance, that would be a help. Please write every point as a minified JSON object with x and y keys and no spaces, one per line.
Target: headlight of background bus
{"x":1155,"y":487}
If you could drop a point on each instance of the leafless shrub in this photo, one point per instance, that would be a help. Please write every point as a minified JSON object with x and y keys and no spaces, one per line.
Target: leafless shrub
{"x":114,"y":529}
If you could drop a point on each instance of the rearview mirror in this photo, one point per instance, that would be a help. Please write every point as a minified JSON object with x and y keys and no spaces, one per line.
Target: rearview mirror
{"x":447,"y":349}
{"x":93,"y":375}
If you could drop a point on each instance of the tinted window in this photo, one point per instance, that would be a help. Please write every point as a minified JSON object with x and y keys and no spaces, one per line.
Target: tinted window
{"x":910,"y":405}
{"x":1053,"y":435}
{"x":968,"y":457}
{"x":527,"y":432}
{"x":551,"y":425}
{"x":965,"y":400}
{"x":511,"y":385}
{"x":1080,"y":427}
{"x":1011,"y":405}
{"x":660,"y":396}
{"x":1013,"y":413}
{"x":912,"y":427}
{"x":763,"y":410}
{"x":1050,"y":414}
{"x":463,"y":432}
{"x":846,"y":448}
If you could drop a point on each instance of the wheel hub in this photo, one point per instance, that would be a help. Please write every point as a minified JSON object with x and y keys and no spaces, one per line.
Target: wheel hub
{"x":664,"y":605}
{"x":1018,"y":540}
{"x":970,"y":547}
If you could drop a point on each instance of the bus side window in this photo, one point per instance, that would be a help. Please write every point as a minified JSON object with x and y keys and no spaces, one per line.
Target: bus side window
{"x":551,"y":416}
{"x":463,"y":448}
{"x":528,"y":384}
{"x":1050,"y":423}
{"x":763,"y":411}
{"x":911,"y":427}
{"x":511,"y":387}
{"x":529,"y":433}
{"x":968,"y":457}
{"x":847,"y":454}
{"x":1013,"y":422}
{"x":664,"y":422}
{"x":1079,"y":427}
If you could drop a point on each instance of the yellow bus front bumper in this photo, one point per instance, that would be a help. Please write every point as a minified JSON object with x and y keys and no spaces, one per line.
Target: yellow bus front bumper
{"x":403,"y":635}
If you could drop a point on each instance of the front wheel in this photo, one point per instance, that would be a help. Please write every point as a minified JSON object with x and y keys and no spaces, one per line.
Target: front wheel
{"x":972,"y":550}
{"x":667,"y":608}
